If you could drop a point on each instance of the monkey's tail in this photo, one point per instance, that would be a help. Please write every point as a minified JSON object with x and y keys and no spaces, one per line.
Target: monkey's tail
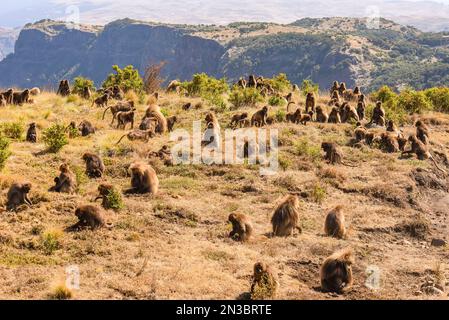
{"x":104,"y":113}
{"x":436,"y":165}
{"x":348,"y":165}
{"x":121,"y":139}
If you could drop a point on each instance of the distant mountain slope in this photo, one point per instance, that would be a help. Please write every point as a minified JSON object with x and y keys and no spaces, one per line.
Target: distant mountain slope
{"x":7,"y":39}
{"x":316,"y":49}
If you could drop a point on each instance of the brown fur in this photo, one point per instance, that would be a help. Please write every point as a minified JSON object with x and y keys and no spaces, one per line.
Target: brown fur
{"x":171,"y":121}
{"x":19,"y":98}
{"x":264,"y":281}
{"x":94,"y":165}
{"x":102,"y":101}
{"x":65,"y":182}
{"x":259,"y":119}
{"x":90,"y":216}
{"x":421,"y":151}
{"x":310,"y":102}
{"x":18,"y":195}
{"x":86,"y":128}
{"x":294,"y":117}
{"x":105,"y":191}
{"x":125,"y":117}
{"x":32,"y":133}
{"x":333,"y":154}
{"x":119,"y":107}
{"x":389,"y":143}
{"x":242,"y":228}
{"x":237,"y":119}
{"x":143,"y":179}
{"x":334,"y":116}
{"x":336,"y":272}
{"x":335,"y":223}
{"x":64,"y":88}
{"x":378,"y":116}
{"x":321,"y":115}
{"x":139,"y":135}
{"x":155,"y":112}
{"x":422,"y":132}
{"x":286,"y":217}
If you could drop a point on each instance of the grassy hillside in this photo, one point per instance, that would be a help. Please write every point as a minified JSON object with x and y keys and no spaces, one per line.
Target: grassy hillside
{"x":175,"y":245}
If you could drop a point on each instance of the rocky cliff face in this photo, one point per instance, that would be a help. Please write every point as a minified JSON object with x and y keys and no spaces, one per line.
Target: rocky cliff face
{"x":318,"y":49}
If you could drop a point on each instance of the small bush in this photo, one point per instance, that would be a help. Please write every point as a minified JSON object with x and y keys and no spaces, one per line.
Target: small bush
{"x":304,"y":148}
{"x":72,"y":98}
{"x":208,"y":88}
{"x":12,"y":130}
{"x":276,"y":101}
{"x":318,"y":193}
{"x":115,"y":201}
{"x":439,"y":97}
{"x":248,"y":97}
{"x":127,"y":78}
{"x":61,"y":292}
{"x":414,"y":101}
{"x":4,"y":151}
{"x":51,"y":241}
{"x":79,"y":83}
{"x":153,"y":80}
{"x":280,"y":115}
{"x":280,"y":83}
{"x":55,"y":138}
{"x":384,"y":94}
{"x":308,"y":86}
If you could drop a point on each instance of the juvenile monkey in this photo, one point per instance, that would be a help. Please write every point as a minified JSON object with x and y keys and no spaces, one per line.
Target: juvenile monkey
{"x":422,"y":132}
{"x":321,"y":115}
{"x":18,"y":195}
{"x":121,"y":106}
{"x":237,"y":119}
{"x":125,"y":117}
{"x":32,"y":133}
{"x":359,"y":132}
{"x":139,"y":135}
{"x":94,"y":165}
{"x":264,"y":284}
{"x":334,"y":116}
{"x":101,"y":101}
{"x":333,"y":154}
{"x":335,"y":223}
{"x":242,"y":228}
{"x":171,"y":121}
{"x":361,"y":107}
{"x":306,"y":118}
{"x":105,"y":190}
{"x":336,"y":272}
{"x":286,"y":217}
{"x":294,"y":117}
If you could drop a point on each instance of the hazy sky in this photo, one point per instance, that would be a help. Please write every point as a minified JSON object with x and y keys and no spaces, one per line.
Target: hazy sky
{"x":19,"y":12}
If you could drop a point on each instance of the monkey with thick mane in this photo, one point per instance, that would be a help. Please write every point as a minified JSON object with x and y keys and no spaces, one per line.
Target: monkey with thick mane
{"x":321,"y":115}
{"x":154,"y":111}
{"x":422,"y":132}
{"x":285,"y":219}
{"x":143,"y":179}
{"x":64,"y":88}
{"x":18,"y":195}
{"x":19,"y":98}
{"x":336,"y":272}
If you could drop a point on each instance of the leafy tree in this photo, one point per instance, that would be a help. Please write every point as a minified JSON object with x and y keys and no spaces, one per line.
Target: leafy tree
{"x":127,"y":78}
{"x":308,"y":86}
{"x":79,"y":83}
{"x":4,"y":151}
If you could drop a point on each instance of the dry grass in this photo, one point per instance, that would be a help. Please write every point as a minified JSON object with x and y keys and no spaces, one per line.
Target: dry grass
{"x":175,"y":245}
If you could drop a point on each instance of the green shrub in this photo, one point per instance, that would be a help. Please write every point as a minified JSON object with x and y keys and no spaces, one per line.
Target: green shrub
{"x":439,"y":97}
{"x":55,"y":137}
{"x":414,"y":101}
{"x":4,"y":151}
{"x":248,"y":97}
{"x":51,"y":241}
{"x":114,"y":200}
{"x":318,"y":193}
{"x":12,"y":130}
{"x":308,"y":86}
{"x":280,"y":115}
{"x":79,"y":83}
{"x":276,"y":101}
{"x":304,"y":148}
{"x":280,"y":83}
{"x":208,"y":88}
{"x":127,"y":79}
{"x":384,"y":94}
{"x":61,"y":293}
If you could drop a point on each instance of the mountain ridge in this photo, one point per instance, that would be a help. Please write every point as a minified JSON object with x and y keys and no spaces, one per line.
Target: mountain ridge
{"x":317,"y":49}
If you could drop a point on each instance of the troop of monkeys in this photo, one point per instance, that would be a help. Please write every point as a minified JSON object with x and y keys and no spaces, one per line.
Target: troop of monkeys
{"x":18,"y":98}
{"x":336,"y":271}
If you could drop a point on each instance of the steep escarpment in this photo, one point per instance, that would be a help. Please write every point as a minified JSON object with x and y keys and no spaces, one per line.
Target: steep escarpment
{"x":318,"y":49}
